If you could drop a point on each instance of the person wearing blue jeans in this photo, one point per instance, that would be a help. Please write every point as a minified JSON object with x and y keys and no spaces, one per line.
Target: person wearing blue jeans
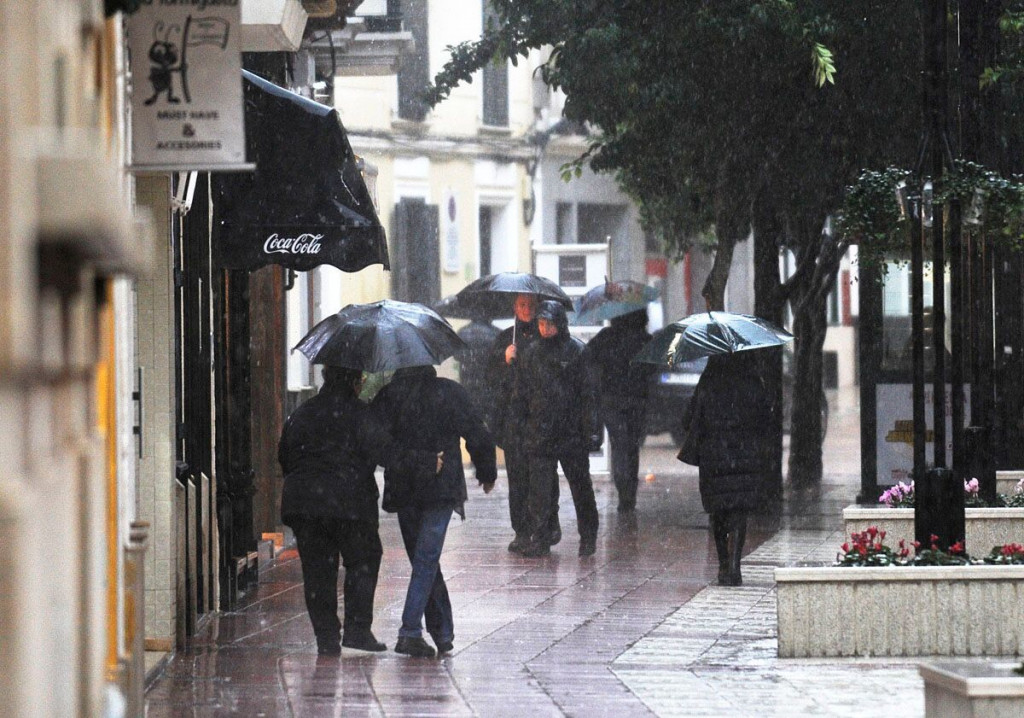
{"x":423,"y":533}
{"x":426,"y":413}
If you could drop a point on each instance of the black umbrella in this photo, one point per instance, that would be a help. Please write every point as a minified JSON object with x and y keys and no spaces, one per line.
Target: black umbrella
{"x":382,"y":336}
{"x":306,"y":204}
{"x":493,"y":296}
{"x":708,"y":333}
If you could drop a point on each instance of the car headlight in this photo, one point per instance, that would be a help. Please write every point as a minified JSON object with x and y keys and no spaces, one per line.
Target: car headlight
{"x":680,"y":378}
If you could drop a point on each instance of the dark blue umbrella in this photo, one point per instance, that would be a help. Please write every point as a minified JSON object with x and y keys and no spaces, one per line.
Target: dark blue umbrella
{"x":708,"y":333}
{"x":613,"y":299}
{"x":382,"y":336}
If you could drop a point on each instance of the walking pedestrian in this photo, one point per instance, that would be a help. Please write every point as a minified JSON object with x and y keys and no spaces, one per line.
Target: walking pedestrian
{"x":622,"y":390}
{"x":328,"y":451}
{"x":479,"y":336}
{"x":432,"y":414}
{"x":727,"y":440}
{"x":561,"y":427}
{"x":509,"y":419}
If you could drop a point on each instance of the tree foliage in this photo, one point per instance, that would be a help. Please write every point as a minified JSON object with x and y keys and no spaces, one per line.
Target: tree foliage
{"x":712,"y":114}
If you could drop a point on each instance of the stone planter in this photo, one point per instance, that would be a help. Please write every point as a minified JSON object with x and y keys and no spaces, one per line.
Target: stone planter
{"x":985,"y":527}
{"x":1007,"y":480}
{"x":972,"y":689}
{"x":900,"y":611}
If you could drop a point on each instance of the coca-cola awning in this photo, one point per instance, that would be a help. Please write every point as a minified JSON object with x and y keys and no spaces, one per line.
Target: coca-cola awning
{"x":306,"y":204}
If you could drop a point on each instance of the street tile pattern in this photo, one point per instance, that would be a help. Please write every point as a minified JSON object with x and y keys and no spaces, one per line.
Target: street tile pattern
{"x":636,"y":630}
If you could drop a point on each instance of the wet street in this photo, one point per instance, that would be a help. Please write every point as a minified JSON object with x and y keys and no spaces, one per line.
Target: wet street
{"x":638,"y":629}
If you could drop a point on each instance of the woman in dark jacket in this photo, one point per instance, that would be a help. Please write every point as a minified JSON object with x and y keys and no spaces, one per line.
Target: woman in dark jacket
{"x":561,"y":426}
{"x":622,"y":387}
{"x":728,"y":441}
{"x":329,"y":450}
{"x":430,"y":414}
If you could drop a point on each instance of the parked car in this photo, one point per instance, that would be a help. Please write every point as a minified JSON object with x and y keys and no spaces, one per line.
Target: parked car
{"x":668,"y":398}
{"x":671,"y":390}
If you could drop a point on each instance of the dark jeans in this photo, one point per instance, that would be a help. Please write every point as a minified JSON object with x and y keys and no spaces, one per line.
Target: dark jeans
{"x":543,"y":472}
{"x":320,"y":541}
{"x":423,"y":532}
{"x":625,"y":421}
{"x":517,"y":467}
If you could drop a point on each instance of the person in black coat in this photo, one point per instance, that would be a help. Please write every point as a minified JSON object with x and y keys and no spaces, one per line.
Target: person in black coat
{"x":427,"y":413}
{"x":561,"y":426}
{"x":329,"y":449}
{"x":728,"y":441}
{"x":622,"y":387}
{"x":507,"y":418}
{"x":474,"y":371}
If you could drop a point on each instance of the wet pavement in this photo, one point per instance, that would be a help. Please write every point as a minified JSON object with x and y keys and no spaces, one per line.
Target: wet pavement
{"x":639,"y":629}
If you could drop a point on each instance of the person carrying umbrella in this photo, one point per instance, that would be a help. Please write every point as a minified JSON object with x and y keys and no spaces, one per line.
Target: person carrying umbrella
{"x":328,"y":451}
{"x":430,"y":414}
{"x":729,"y":413}
{"x":509,"y":420}
{"x":561,"y":426}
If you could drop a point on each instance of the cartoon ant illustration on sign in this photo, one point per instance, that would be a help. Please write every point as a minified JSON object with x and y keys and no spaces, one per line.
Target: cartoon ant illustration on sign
{"x":164,"y":56}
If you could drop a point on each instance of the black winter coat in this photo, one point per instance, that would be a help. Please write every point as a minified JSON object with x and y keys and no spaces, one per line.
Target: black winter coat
{"x":328,"y":452}
{"x":427,"y":413}
{"x":609,"y":355}
{"x":508,"y":415}
{"x":561,"y":400}
{"x":729,"y":437}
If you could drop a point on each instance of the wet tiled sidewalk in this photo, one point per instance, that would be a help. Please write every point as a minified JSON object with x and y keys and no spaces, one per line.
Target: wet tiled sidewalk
{"x":635,"y":630}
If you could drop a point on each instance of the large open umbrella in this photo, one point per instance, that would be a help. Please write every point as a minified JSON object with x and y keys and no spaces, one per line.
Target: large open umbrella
{"x":493,"y":296}
{"x":613,"y":299}
{"x":382,"y":336}
{"x":708,"y":333}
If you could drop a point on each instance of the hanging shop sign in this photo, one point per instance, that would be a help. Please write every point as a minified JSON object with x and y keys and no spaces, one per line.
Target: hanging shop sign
{"x":186,"y":86}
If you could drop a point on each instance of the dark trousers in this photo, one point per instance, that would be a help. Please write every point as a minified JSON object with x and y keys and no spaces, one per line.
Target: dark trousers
{"x":423,"y":533}
{"x":543,"y":474}
{"x":625,"y":421}
{"x":320,"y":542}
{"x":517,"y":466}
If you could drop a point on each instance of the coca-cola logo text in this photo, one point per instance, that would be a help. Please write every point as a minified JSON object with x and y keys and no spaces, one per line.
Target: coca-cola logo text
{"x":303,"y":244}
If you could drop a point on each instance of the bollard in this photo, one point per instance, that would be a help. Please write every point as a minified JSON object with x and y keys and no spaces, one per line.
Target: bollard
{"x":135,"y":616}
{"x":939,"y":508}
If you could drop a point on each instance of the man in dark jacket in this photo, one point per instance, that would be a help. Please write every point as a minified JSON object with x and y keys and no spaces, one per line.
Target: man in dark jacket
{"x":561,"y":426}
{"x":728,"y":441}
{"x":329,"y":449}
{"x":474,"y":370}
{"x":622,"y":387}
{"x":508,"y":417}
{"x":430,"y":414}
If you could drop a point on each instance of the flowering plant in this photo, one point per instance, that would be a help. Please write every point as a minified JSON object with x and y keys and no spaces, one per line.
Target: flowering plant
{"x":866,"y":548}
{"x":901,"y":496}
{"x":1007,"y":554}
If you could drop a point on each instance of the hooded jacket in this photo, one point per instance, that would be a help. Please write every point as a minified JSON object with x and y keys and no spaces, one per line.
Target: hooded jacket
{"x":329,"y":449}
{"x":559,"y":399}
{"x":427,"y":413}
{"x":609,"y":356}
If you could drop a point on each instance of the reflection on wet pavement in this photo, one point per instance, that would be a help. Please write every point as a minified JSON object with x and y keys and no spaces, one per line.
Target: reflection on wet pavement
{"x":634,"y":630}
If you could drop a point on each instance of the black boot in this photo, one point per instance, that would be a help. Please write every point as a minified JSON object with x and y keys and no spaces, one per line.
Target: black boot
{"x":720,"y":531}
{"x":737,"y":534}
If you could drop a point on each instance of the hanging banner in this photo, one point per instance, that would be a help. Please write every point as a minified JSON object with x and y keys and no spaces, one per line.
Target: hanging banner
{"x":186,"y":93}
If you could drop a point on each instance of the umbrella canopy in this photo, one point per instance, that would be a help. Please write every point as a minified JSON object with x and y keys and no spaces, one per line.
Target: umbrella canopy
{"x":383,"y":336}
{"x":492,"y":296}
{"x":613,"y":299}
{"x":708,"y":333}
{"x":306,"y":204}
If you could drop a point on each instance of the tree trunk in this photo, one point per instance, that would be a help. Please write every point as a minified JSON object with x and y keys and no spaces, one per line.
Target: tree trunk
{"x":730,"y":227}
{"x":770,"y":303}
{"x":818,"y":257}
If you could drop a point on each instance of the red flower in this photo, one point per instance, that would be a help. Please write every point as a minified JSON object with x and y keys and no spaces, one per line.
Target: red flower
{"x":933,"y":538}
{"x":862,"y":550}
{"x":872,"y":531}
{"x":917,"y":544}
{"x":958,"y":547}
{"x":846,"y":548}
